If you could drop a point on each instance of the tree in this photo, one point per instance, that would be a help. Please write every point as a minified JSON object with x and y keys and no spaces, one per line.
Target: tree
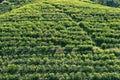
{"x":113,"y":3}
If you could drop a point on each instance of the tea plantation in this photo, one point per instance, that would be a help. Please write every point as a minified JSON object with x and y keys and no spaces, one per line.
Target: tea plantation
{"x":59,"y":40}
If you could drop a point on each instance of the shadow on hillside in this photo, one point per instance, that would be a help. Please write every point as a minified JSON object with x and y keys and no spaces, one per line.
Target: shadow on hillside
{"x":1,"y":1}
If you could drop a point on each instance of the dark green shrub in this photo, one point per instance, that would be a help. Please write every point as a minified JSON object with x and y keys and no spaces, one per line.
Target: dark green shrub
{"x":12,"y":68}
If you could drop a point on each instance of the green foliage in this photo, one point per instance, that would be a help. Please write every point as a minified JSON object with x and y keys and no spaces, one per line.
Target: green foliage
{"x":113,"y":3}
{"x":59,"y":40}
{"x":12,"y":68}
{"x":5,"y":6}
{"x":104,"y":66}
{"x":8,"y":5}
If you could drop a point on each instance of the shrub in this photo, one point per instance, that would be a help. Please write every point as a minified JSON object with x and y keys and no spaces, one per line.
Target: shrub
{"x":12,"y":68}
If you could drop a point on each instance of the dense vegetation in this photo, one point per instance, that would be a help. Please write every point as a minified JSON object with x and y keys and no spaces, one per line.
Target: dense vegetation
{"x":60,"y":67}
{"x":59,"y":40}
{"x":113,"y":3}
{"x":8,"y":5}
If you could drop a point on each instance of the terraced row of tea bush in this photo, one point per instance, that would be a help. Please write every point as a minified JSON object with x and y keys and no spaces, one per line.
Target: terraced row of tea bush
{"x":59,"y":27}
{"x":102,"y":24}
{"x":42,"y":28}
{"x":60,"y":67}
{"x":60,"y":40}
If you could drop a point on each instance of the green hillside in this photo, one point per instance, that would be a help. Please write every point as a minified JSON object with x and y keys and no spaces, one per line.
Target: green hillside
{"x":59,"y":40}
{"x":8,"y":5}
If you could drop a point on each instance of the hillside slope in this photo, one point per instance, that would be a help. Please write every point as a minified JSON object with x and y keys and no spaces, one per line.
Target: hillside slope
{"x":67,"y":26}
{"x":8,"y":5}
{"x":34,"y":37}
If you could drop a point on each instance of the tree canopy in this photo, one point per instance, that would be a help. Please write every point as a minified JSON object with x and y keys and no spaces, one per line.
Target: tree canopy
{"x":113,"y":3}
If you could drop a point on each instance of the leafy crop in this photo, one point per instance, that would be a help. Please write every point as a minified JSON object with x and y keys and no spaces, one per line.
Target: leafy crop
{"x":60,"y":67}
{"x":59,"y":40}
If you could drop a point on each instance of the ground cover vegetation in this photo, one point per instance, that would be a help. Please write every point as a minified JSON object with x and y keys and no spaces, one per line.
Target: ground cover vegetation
{"x":59,"y":40}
